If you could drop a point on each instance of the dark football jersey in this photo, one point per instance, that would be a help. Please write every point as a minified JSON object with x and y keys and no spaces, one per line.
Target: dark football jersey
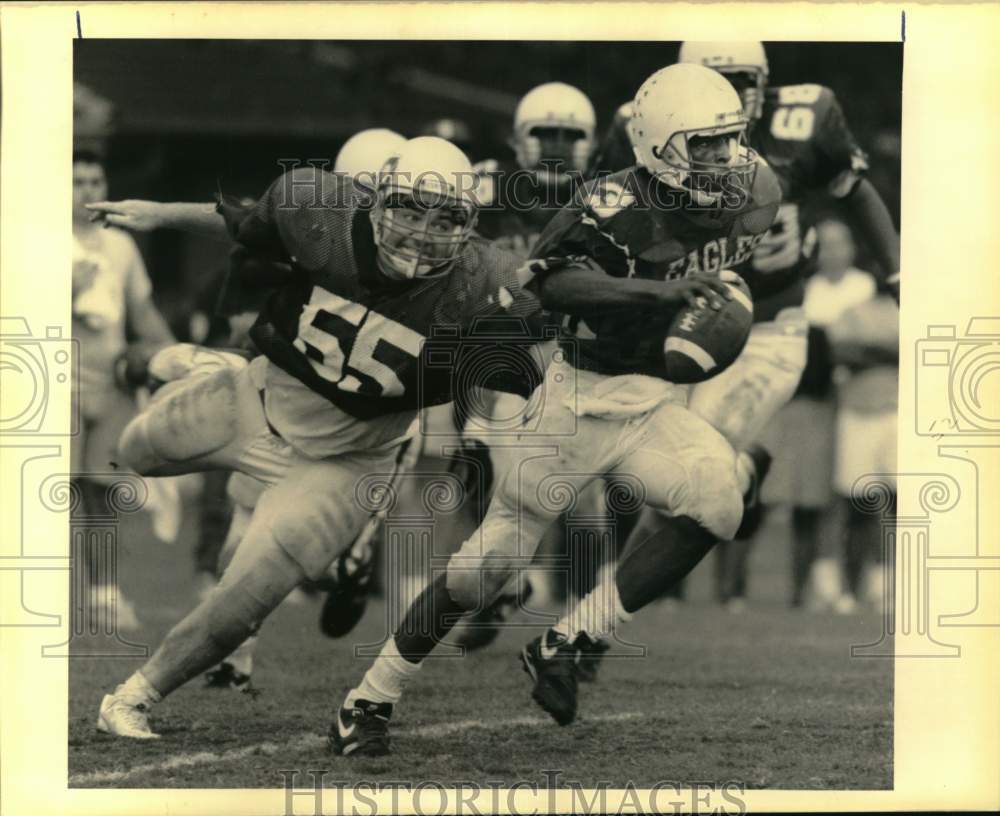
{"x":803,"y":136}
{"x":515,"y":205}
{"x":619,"y":224}
{"x":369,"y":344}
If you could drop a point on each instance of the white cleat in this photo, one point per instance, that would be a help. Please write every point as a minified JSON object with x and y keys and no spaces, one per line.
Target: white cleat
{"x":122,"y":719}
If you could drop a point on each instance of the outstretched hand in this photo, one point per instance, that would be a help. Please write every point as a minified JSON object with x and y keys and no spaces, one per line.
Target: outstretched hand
{"x":133,"y":214}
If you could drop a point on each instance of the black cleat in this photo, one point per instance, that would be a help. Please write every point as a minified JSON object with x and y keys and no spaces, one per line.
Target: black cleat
{"x":224,"y":676}
{"x":551,"y":660}
{"x":362,"y":730}
{"x":347,"y":590}
{"x":753,"y":510}
{"x":590,"y":653}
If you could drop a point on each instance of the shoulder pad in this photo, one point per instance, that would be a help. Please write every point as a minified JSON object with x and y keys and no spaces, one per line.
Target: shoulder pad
{"x":308,"y":186}
{"x":807,"y":94}
{"x":766,"y":187}
{"x":624,"y":113}
{"x":608,"y":196}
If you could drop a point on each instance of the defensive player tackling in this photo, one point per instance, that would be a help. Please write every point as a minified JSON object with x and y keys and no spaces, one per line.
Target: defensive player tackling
{"x":337,"y":388}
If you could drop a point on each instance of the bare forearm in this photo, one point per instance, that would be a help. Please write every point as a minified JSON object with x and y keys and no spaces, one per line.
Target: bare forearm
{"x":149,"y":325}
{"x":200,"y":219}
{"x":586,"y":292}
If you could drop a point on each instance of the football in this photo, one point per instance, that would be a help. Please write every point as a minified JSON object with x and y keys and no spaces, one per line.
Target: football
{"x":703,"y":341}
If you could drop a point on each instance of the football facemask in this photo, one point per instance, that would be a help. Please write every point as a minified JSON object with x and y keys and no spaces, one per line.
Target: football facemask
{"x":554,"y":130}
{"x":425,"y":209}
{"x":714,"y":166}
{"x":552,"y":152}
{"x":419,"y":241}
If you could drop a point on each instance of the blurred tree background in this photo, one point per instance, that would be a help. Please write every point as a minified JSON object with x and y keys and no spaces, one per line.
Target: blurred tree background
{"x":180,"y":119}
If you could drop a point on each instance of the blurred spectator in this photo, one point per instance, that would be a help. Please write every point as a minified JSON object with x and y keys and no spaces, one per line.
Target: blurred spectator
{"x":802,"y":435}
{"x":865,"y":343}
{"x":112,"y":297}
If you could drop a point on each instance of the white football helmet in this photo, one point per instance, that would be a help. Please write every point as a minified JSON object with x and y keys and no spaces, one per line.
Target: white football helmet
{"x":734,"y":60}
{"x":425,"y":208}
{"x":554,"y":105}
{"x":674,"y":105}
{"x":366,"y":151}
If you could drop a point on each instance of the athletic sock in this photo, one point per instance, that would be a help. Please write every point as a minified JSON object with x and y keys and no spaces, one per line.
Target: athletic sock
{"x":595,"y":614}
{"x":430,"y":617}
{"x":385,"y":680}
{"x":138,"y":691}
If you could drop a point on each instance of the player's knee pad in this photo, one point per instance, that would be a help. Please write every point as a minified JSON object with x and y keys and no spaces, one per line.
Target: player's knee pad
{"x":474,"y":583}
{"x":193,"y":421}
{"x":711,"y":496}
{"x":485,"y":563}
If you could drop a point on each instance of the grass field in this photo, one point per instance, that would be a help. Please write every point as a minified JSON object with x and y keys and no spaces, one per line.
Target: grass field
{"x":769,"y":698}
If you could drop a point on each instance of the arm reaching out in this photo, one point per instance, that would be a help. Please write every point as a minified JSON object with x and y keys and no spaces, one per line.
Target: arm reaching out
{"x":146,"y":216}
{"x":590,"y":292}
{"x":872,"y":217}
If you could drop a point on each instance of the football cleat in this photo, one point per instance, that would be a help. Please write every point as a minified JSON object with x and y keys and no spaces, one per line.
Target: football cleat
{"x":551,"y":660}
{"x":225,"y":676}
{"x":347,"y":589}
{"x":361,"y":730}
{"x":753,"y":509}
{"x":590,"y":653}
{"x":122,"y":719}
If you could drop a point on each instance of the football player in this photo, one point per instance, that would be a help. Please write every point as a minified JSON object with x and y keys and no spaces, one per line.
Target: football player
{"x":336,"y":389}
{"x":248,"y":282}
{"x":551,"y":141}
{"x":801,"y":131}
{"x":636,"y":246}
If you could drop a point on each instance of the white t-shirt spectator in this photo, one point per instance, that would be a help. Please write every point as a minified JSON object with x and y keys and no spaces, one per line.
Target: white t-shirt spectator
{"x":100,"y":310}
